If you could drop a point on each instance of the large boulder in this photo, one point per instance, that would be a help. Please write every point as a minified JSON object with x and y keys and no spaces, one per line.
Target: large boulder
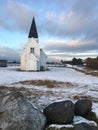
{"x":59,"y":127}
{"x":91,"y":116}
{"x":84,"y":126}
{"x":17,"y":113}
{"x":54,"y":128}
{"x":60,"y":112}
{"x":82,"y":107}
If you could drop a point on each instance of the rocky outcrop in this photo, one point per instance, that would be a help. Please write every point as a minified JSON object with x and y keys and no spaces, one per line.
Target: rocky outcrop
{"x":82,"y":107}
{"x":91,"y":116}
{"x":17,"y":113}
{"x":60,"y":112}
{"x":80,"y":126}
{"x":84,"y":126}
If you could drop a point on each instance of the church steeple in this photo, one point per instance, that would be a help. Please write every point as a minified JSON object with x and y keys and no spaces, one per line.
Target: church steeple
{"x":33,"y":31}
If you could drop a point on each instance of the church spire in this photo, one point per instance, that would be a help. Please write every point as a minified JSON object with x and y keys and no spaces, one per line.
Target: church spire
{"x":33,"y":31}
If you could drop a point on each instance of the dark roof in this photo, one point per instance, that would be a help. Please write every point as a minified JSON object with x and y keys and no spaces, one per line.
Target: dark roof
{"x":33,"y":30}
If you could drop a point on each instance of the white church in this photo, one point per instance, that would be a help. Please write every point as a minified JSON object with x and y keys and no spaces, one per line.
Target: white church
{"x":33,"y":57}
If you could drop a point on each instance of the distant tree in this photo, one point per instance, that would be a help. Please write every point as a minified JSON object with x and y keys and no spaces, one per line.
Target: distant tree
{"x":80,"y":62}
{"x":92,"y":63}
{"x":14,"y":61}
{"x":77,"y":61}
{"x":97,"y":57}
{"x":74,"y":61}
{"x":69,"y":62}
{"x":63,"y":62}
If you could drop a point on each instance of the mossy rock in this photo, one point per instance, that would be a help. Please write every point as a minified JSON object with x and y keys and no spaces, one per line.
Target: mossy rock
{"x":92,"y":116}
{"x":84,"y":126}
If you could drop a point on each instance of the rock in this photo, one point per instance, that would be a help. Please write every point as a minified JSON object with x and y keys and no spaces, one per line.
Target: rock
{"x":82,"y":107}
{"x":84,"y":126}
{"x":17,"y":113}
{"x":91,"y":116}
{"x":59,"y":127}
{"x":64,"y":129}
{"x":60,"y":112}
{"x":79,"y":119}
{"x":79,"y":126}
{"x":1,"y":94}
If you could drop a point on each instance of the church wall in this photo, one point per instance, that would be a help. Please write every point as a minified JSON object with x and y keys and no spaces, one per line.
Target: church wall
{"x":31,"y":64}
{"x":32,"y":44}
{"x":29,"y":61}
{"x":42,"y":60}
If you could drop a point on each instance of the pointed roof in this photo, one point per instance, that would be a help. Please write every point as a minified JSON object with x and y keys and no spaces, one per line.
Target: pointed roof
{"x":33,"y":31}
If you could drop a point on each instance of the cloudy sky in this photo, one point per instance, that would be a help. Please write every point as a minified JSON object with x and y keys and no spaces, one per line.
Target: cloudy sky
{"x":66,"y":28}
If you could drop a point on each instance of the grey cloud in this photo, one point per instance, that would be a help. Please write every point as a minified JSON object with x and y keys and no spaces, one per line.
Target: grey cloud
{"x":58,"y":47}
{"x":80,"y":18}
{"x":69,"y":56}
{"x":80,"y":22}
{"x":9,"y":53}
{"x":16,"y":16}
{"x":85,"y":7}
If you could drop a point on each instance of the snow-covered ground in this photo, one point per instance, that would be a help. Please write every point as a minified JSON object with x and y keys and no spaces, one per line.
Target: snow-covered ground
{"x":10,"y":75}
{"x":81,"y":85}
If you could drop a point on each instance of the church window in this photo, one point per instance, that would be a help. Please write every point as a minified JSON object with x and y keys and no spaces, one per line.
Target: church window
{"x":31,"y":50}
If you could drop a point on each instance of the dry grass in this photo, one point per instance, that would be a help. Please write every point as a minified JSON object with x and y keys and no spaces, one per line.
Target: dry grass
{"x":77,"y":97}
{"x":4,"y":89}
{"x":32,"y":91}
{"x":47,"y":83}
{"x":88,"y":71}
{"x":34,"y":94}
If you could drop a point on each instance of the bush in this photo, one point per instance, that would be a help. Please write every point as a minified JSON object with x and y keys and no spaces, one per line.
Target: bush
{"x":92,"y":63}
